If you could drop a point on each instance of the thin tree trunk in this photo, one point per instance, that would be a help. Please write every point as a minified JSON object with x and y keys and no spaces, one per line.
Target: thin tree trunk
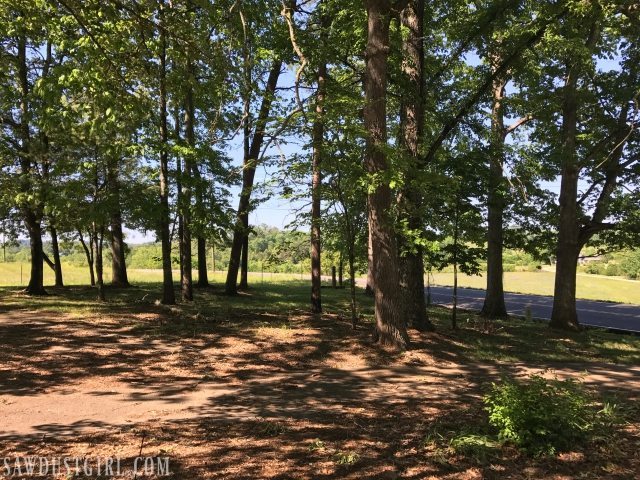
{"x":98,"y":236}
{"x":57,"y":266}
{"x":456,"y":234}
{"x":389,"y":311}
{"x":179,"y":201}
{"x":89,"y":254}
{"x":185,"y":206}
{"x":203,"y":277}
{"x":494,"y":306}
{"x":168,"y":294}
{"x":340,"y":270}
{"x":248,"y":174}
{"x":316,"y":184}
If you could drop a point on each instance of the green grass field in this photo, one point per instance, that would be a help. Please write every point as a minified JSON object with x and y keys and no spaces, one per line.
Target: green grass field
{"x":591,"y":287}
{"x":11,"y":276}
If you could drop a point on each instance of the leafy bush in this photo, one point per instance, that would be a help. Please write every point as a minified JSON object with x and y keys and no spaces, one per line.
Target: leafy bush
{"x":508,"y":267}
{"x":613,"y":270}
{"x":595,"y":268}
{"x":541,"y":416}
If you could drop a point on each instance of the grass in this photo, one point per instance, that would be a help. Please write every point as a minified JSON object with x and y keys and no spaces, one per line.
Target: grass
{"x":17,"y":274}
{"x":590,"y":287}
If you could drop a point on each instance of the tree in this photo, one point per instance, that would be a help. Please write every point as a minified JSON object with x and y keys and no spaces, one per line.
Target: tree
{"x":389,"y":309}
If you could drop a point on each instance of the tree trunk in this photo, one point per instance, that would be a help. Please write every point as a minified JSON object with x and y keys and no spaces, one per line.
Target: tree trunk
{"x":203,"y":277}
{"x":370,"y":287}
{"x":98,"y":236}
{"x":411,"y":126}
{"x":564,"y":315}
{"x":340,"y":271}
{"x":36,"y":280}
{"x":494,"y":306}
{"x":244,"y":259}
{"x":189,"y":126}
{"x":168,"y":294}
{"x":119,"y":277}
{"x":456,"y":234}
{"x":57,"y":266}
{"x":316,"y":184}
{"x":248,"y":174}
{"x":88,"y":253}
{"x":389,"y":311}
{"x":333,"y":277}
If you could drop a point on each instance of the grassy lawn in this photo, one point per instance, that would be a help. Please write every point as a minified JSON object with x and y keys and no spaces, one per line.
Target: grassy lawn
{"x":254,"y":386}
{"x":74,"y":275}
{"x":590,"y":287}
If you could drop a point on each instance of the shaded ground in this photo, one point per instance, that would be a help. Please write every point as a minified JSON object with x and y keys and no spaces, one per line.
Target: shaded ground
{"x":230,"y":389}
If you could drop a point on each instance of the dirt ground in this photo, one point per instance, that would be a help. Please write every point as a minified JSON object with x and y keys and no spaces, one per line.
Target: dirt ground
{"x":272,"y":397}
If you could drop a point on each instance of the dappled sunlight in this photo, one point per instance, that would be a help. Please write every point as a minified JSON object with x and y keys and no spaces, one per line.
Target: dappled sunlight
{"x":221,"y":379}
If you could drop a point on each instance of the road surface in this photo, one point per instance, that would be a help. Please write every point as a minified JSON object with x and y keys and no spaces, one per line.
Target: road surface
{"x":615,"y":316}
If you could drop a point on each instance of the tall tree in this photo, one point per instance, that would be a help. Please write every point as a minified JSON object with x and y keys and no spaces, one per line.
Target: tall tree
{"x":389,"y":308}
{"x":248,"y":175}
{"x":412,"y":132}
{"x":168,"y":294}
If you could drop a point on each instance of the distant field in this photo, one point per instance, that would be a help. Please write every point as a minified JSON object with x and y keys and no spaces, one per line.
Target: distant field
{"x":73,"y":275}
{"x":590,"y":287}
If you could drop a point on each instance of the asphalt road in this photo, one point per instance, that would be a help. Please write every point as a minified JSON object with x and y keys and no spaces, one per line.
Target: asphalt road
{"x":615,"y":316}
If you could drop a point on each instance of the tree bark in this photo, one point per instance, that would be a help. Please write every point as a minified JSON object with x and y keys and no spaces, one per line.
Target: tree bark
{"x":98,"y":236}
{"x":186,"y":279}
{"x":119,"y":277}
{"x":412,"y":127}
{"x":370,"y":287}
{"x":88,"y":252}
{"x":456,"y":235}
{"x":494,"y":306}
{"x":168,"y":294}
{"x":248,"y":174}
{"x":564,"y":315}
{"x":316,"y":184}
{"x":244,"y":259}
{"x":389,"y":311}
{"x":203,"y":277}
{"x":57,"y":266}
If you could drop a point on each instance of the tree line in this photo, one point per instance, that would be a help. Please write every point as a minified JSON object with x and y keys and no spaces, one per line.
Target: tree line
{"x":417,"y":124}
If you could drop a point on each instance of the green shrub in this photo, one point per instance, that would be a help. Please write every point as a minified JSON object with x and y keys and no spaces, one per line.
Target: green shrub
{"x":595,"y":268}
{"x":613,"y":270}
{"x":508,"y":267}
{"x":541,"y":416}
